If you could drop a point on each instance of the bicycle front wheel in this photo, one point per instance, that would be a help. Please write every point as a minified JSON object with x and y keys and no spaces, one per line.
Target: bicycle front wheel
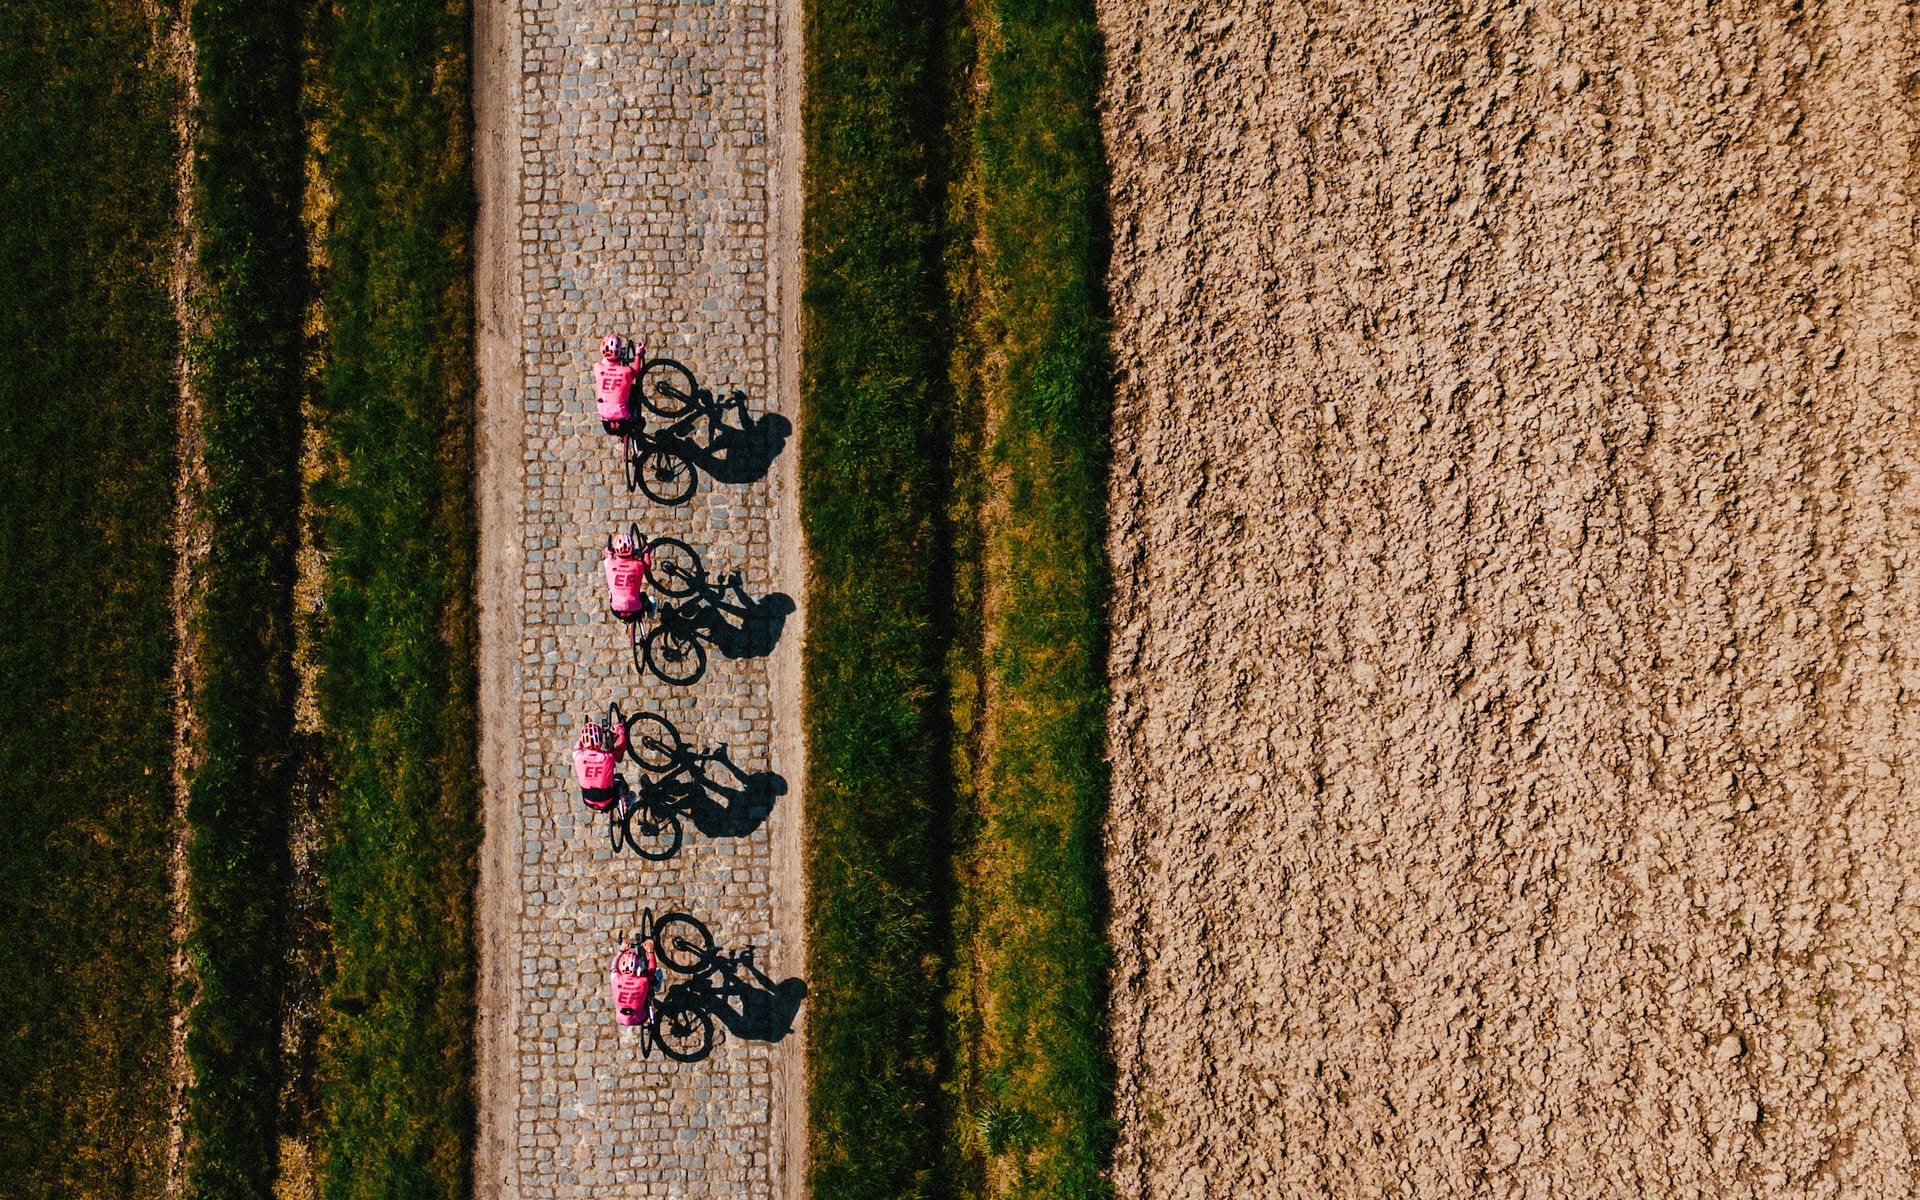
{"x":666,"y":477}
{"x":673,"y":566}
{"x":683,"y":944}
{"x":674,"y":657}
{"x":666,"y":388}
{"x":653,"y":742}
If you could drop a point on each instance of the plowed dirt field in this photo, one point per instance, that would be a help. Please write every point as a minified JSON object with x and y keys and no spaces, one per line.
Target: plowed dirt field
{"x":1517,"y":672}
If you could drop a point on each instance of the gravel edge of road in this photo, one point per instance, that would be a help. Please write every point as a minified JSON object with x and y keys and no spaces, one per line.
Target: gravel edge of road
{"x":499,"y":482}
{"x":785,"y":678}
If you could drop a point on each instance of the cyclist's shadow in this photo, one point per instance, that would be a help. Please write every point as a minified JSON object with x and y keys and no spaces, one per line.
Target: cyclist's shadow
{"x":760,"y":621}
{"x":732,"y":807}
{"x":739,"y":454}
{"x":751,"y":1005}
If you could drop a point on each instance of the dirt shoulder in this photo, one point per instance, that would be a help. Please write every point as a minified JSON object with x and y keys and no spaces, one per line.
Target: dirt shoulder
{"x":1512,"y":509}
{"x":789,"y":565}
{"x":500,"y":482}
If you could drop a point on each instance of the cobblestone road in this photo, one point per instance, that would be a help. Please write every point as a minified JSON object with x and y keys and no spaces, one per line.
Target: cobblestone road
{"x":647,"y":144}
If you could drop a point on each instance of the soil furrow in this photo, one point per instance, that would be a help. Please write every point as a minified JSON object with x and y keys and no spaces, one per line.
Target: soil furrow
{"x":1514,"y":463}
{"x":190,"y":543}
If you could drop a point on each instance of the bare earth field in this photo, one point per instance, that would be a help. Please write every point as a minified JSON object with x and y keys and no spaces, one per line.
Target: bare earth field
{"x":1517,"y":672}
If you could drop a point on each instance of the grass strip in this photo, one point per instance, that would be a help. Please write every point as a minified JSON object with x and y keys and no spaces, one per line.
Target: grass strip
{"x":397,"y":691}
{"x":87,"y":451}
{"x":246,"y":365}
{"x":1038,"y":1086}
{"x":870,"y":497}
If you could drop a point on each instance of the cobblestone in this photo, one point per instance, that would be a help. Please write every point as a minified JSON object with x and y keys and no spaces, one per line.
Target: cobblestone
{"x":646,"y":149}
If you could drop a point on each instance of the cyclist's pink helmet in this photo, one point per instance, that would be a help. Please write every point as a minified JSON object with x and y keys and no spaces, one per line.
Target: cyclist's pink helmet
{"x":623,"y":545}
{"x":610,"y":348}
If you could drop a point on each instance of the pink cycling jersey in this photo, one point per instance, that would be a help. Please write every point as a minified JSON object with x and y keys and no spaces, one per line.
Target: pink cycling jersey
{"x":593,"y":767}
{"x":631,"y":986}
{"x":612,"y":385}
{"x":626,"y":577}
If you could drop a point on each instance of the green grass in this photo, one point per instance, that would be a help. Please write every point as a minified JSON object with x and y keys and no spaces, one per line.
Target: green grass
{"x":969,"y":364}
{"x":871,"y":502}
{"x":246,"y":364}
{"x":397,"y":646}
{"x":954,"y":495}
{"x":1040,"y":1060}
{"x":88,"y":435}
{"x":86,"y":447}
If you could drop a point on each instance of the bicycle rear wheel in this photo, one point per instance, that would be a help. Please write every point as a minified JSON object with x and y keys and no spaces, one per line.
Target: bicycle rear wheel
{"x":617,"y":827}
{"x":673,"y":567}
{"x":653,"y":742}
{"x":683,"y":943}
{"x":685,"y":1032}
{"x":666,"y":388}
{"x":630,"y":459}
{"x":634,"y":646}
{"x":666,"y":477}
{"x":674,"y":657}
{"x":653,"y":832}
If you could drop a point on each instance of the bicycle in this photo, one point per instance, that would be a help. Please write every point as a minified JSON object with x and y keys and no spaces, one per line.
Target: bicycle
{"x":683,"y":1032}
{"x":664,"y":388}
{"x":642,"y":821}
{"x":672,"y":649}
{"x":675,"y":648}
{"x":660,"y":752}
{"x":661,"y":463}
{"x":668,"y":564}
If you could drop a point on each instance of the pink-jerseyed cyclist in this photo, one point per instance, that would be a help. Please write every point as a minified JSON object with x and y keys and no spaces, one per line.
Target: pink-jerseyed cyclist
{"x":632,"y":985}
{"x":613,"y":379}
{"x":626,"y":563}
{"x":596,"y":752}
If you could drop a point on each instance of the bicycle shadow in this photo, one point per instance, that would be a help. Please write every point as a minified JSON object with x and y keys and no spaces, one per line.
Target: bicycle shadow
{"x":738,"y":454}
{"x":722,"y":812}
{"x":760,"y":622}
{"x":719,"y":807}
{"x":728,"y":996}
